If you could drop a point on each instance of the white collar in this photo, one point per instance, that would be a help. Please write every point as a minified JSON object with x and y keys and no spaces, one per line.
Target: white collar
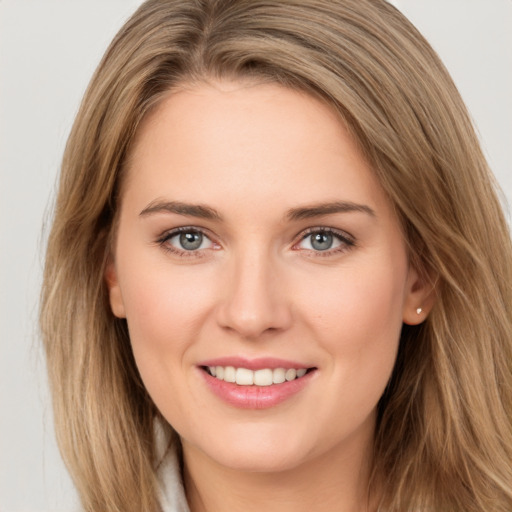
{"x":171,"y":493}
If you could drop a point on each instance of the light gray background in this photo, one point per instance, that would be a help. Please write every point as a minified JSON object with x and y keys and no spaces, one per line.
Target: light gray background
{"x":48,"y":51}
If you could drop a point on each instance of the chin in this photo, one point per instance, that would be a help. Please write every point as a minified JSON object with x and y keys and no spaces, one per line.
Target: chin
{"x":256,"y":451}
{"x":257,"y":460}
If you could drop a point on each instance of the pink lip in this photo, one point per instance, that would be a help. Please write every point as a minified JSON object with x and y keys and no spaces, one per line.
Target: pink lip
{"x":254,"y":364}
{"x":255,"y":397}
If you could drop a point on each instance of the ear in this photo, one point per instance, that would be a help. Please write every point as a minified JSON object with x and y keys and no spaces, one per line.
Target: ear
{"x":419,"y":297}
{"x":114,"y":290}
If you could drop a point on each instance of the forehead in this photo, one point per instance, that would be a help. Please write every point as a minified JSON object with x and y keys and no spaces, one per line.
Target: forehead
{"x":249,"y":141}
{"x":239,"y":110}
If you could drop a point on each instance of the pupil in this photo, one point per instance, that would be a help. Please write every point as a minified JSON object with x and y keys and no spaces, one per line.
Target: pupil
{"x":322,"y":241}
{"x":191,"y":241}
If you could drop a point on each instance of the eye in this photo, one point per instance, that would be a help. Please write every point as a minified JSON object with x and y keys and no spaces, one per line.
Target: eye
{"x":320,"y":241}
{"x":325,"y":240}
{"x":189,"y":241}
{"x":186,"y":240}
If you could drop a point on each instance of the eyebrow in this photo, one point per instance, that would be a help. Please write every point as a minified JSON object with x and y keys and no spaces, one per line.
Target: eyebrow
{"x":317,"y":210}
{"x":192,"y":210}
{"x":294,"y":214}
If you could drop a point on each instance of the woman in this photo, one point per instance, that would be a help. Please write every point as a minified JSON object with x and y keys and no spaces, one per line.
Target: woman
{"x":279,"y":275}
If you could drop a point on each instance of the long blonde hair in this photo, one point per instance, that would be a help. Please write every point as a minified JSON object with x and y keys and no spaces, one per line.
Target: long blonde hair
{"x":444,"y":432}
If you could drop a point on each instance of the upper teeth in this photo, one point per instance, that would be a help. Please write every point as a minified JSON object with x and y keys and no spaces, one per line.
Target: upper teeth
{"x":264,"y":377}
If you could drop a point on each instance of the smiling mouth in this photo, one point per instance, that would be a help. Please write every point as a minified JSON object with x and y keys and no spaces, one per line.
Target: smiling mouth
{"x":263,"y":377}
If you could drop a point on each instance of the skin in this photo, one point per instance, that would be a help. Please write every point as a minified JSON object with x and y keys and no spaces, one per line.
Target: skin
{"x":257,"y":287}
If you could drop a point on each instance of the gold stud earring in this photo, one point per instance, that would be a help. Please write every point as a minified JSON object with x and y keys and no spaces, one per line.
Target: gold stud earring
{"x":418,"y":311}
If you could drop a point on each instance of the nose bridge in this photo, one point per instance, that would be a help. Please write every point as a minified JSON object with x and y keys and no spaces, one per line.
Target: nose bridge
{"x":255,"y":301}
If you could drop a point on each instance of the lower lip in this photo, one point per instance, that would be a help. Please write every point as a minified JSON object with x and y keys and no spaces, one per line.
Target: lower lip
{"x":256,"y":397}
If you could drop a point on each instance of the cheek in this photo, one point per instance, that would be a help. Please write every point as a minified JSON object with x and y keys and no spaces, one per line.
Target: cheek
{"x":164,"y":312}
{"x":358,"y":299}
{"x":357,"y":316}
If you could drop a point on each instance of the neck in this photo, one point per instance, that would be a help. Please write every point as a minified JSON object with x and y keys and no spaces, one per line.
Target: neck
{"x":334,"y":481}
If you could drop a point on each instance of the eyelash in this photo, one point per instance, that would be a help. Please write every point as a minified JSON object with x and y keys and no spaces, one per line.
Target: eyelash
{"x":168,"y":235}
{"x":347,"y":241}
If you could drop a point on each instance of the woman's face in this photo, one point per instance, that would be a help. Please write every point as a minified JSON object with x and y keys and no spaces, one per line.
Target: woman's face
{"x":254,"y":239}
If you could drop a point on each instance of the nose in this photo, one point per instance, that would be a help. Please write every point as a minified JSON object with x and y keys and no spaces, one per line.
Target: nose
{"x":255,"y":300}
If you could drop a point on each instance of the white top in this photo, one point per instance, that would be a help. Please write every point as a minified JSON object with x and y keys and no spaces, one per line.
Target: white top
{"x":171,"y":492}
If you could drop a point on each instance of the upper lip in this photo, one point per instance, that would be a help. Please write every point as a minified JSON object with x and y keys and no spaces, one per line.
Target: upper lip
{"x":258,"y":363}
